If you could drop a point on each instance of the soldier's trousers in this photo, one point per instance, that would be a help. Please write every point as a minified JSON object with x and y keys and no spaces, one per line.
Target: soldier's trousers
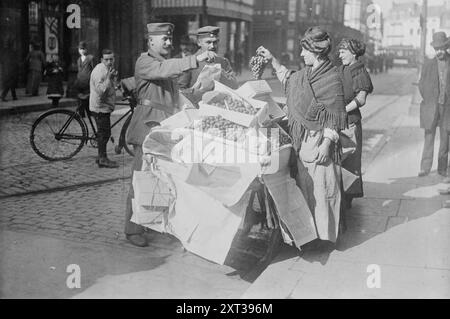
{"x":130,"y":227}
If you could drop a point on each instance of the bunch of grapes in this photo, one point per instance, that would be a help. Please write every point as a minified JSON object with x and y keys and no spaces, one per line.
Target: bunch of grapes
{"x":258,"y":65}
{"x":236,"y":106}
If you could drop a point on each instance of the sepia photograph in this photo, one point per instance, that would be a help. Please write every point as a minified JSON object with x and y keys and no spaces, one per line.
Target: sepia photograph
{"x":224,"y":155}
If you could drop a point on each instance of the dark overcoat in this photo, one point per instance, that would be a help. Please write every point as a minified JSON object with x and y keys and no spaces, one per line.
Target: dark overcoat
{"x":429,"y":89}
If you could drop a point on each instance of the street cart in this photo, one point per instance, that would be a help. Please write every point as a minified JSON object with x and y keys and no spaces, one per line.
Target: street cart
{"x":213,"y":177}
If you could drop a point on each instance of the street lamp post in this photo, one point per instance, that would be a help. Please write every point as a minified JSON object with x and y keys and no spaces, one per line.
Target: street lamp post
{"x":204,"y":13}
{"x":423,"y":25}
{"x":278,"y":23}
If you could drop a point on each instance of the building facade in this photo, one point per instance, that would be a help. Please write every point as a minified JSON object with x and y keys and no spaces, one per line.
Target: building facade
{"x":402,"y":28}
{"x":59,"y":25}
{"x":120,"y":25}
{"x":278,"y":25}
{"x":234,"y":17}
{"x":366,"y":17}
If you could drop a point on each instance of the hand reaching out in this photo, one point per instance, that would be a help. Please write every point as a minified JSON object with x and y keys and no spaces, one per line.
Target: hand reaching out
{"x":207,"y":56}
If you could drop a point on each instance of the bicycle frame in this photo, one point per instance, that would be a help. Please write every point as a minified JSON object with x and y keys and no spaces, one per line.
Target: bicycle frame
{"x":66,"y":125}
{"x":91,"y":122}
{"x":123,"y":116}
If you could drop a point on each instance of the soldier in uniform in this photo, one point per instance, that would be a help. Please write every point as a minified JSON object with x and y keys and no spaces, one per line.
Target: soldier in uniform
{"x":157,"y":99}
{"x":207,"y":40}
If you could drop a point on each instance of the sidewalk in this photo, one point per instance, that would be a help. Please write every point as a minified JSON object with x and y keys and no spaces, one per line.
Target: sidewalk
{"x":399,"y":227}
{"x":42,"y":103}
{"x":26,"y":103}
{"x":36,"y":266}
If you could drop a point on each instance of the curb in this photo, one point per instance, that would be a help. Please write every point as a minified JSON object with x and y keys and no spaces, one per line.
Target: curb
{"x":35,"y":107}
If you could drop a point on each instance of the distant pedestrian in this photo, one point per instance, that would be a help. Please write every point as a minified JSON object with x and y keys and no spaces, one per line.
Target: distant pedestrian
{"x":386,"y":63}
{"x":187,"y":47}
{"x":85,"y":65}
{"x":54,"y":73}
{"x":35,"y":61}
{"x":239,"y":59}
{"x":10,"y":67}
{"x":371,"y":64}
{"x":434,"y":84}
{"x":357,"y":85}
{"x":102,"y":102}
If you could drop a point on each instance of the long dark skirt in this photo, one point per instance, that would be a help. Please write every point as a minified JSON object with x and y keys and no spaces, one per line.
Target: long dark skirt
{"x":55,"y":85}
{"x":353,"y":164}
{"x":34,"y":80}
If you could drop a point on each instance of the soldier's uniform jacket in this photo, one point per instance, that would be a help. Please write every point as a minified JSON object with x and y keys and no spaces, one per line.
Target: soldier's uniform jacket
{"x":429,"y":89}
{"x":156,"y":90}
{"x":188,"y":78}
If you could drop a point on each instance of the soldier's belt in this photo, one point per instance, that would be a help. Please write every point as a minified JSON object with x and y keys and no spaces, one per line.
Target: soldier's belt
{"x":155,"y":105}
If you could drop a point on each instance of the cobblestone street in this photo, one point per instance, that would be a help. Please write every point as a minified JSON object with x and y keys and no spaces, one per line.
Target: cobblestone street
{"x":75,"y":200}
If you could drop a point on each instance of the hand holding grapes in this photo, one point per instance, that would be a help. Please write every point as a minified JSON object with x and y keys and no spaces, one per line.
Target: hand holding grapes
{"x":258,"y":63}
{"x":262,"y":51}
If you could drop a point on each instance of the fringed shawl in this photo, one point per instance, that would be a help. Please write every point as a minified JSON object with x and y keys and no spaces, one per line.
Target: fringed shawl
{"x":355,"y":79}
{"x":315,"y":100}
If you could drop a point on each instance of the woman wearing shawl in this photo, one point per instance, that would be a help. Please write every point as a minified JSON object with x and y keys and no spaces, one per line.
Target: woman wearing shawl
{"x":357,"y":85}
{"x":316,"y":113}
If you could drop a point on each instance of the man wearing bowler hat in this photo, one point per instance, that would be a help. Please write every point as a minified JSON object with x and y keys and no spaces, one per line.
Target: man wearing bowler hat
{"x":434,"y":86}
{"x":157,"y":99}
{"x":207,"y":40}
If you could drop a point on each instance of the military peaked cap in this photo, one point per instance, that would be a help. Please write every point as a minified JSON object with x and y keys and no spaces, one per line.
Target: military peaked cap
{"x":164,"y":28}
{"x":208,"y":31}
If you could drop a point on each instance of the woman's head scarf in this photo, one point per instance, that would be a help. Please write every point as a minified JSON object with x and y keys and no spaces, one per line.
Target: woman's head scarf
{"x":316,"y":41}
{"x":354,"y":46}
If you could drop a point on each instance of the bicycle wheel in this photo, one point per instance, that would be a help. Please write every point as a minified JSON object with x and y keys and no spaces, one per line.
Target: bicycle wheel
{"x":123,"y":135}
{"x":58,"y":135}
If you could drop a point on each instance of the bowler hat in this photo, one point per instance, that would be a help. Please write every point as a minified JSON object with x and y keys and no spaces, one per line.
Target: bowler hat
{"x":164,"y":28}
{"x":440,"y":40}
{"x":82,"y":45}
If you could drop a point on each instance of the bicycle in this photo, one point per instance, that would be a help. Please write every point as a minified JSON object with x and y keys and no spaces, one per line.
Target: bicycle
{"x":60,"y":134}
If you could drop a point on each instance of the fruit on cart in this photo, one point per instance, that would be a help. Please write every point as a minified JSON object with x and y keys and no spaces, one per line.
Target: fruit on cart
{"x":220,"y":127}
{"x":258,"y":65}
{"x":284,"y":138}
{"x":232,"y":104}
